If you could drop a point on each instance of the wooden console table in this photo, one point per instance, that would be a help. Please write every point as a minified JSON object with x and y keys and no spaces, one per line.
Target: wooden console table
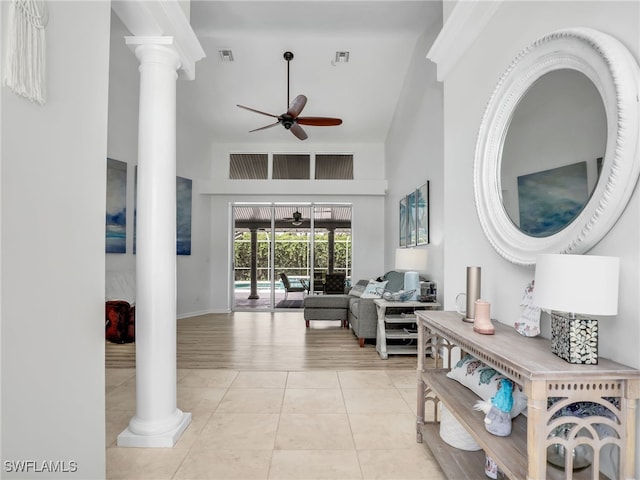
{"x":530,"y":363}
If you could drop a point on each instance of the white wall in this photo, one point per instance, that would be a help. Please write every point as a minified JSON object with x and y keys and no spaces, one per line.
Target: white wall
{"x":466,"y":92}
{"x":414,"y":154}
{"x":53,"y":204}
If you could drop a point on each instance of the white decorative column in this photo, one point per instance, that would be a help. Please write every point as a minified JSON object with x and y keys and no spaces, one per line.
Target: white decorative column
{"x":157,"y":422}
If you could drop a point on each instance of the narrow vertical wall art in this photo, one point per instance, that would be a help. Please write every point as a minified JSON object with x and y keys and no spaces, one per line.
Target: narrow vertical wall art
{"x":184,"y":189}
{"x":412,"y":234}
{"x":403,"y":222}
{"x":183,"y":215}
{"x":422,"y":213}
{"x":116,"y":218}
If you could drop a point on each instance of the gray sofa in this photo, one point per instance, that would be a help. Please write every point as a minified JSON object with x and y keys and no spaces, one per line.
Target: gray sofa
{"x":360,"y":313}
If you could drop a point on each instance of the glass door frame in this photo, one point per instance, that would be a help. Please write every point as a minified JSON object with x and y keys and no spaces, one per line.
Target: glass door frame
{"x":272,"y":239}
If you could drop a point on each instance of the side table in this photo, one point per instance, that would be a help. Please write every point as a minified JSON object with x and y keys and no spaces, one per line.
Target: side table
{"x":400,"y":325}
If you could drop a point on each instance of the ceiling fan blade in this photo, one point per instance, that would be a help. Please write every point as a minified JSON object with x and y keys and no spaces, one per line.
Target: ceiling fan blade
{"x":298,"y":131}
{"x":258,"y":111}
{"x":265,"y":127}
{"x":319,"y":121}
{"x":297,"y":105}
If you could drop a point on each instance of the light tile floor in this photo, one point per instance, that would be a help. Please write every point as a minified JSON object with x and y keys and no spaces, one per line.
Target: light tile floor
{"x":278,"y":425}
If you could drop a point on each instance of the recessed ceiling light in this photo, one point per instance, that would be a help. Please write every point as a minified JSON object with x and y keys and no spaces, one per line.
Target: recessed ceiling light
{"x":226,"y":55}
{"x":342,"y":57}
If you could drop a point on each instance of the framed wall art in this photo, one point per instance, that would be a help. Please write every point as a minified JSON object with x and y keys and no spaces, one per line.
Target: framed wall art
{"x":422,"y":213}
{"x":414,"y":217}
{"x":403,"y":222}
{"x":116,"y":215}
{"x":183,"y":215}
{"x":412,"y":233}
{"x":184,"y":195}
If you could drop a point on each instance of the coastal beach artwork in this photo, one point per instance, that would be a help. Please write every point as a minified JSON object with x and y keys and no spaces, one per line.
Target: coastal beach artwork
{"x":116,"y":215}
{"x":184,"y":188}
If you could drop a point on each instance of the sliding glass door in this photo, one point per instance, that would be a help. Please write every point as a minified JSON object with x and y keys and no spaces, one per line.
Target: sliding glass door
{"x":283,"y":251}
{"x":253,"y":285}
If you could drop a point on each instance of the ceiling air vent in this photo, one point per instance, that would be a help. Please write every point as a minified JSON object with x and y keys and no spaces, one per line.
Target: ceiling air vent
{"x":226,"y":55}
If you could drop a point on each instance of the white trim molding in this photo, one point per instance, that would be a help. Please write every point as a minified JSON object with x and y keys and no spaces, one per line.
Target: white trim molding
{"x":163,"y":18}
{"x":466,"y":21}
{"x":293,"y":187}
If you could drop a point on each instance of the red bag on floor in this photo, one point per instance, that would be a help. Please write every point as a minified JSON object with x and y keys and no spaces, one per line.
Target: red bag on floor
{"x":120,"y":321}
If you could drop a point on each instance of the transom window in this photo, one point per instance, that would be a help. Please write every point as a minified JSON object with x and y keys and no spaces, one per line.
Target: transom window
{"x":290,"y":166}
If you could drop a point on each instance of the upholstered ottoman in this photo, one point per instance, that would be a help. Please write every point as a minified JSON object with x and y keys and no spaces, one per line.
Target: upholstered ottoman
{"x":326,"y":307}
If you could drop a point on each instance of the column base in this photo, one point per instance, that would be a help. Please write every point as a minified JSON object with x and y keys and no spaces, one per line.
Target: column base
{"x":164,"y":440}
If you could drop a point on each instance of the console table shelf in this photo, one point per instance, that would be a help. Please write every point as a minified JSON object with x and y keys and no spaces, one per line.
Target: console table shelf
{"x":530,"y":363}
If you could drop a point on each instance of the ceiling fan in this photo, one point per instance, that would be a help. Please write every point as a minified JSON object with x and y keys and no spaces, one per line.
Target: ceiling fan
{"x":291,"y":119}
{"x":296,"y":220}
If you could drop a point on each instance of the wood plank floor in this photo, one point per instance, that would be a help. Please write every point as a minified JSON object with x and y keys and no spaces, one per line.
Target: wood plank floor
{"x":265,"y":341}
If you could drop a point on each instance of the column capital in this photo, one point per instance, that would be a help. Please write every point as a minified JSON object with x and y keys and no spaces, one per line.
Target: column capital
{"x":161,"y":48}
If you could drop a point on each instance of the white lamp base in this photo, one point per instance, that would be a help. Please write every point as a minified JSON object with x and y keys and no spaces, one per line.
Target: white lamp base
{"x":412,"y":282}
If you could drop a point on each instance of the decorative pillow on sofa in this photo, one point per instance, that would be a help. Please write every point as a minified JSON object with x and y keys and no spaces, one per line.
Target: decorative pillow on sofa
{"x":374,"y":289}
{"x":358,"y":289}
{"x":484,"y":381}
{"x":395,"y":281}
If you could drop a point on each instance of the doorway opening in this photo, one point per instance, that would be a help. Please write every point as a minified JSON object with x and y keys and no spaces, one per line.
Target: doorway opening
{"x":284,"y":251}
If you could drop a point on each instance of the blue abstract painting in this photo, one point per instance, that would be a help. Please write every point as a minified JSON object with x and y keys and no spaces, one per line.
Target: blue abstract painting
{"x":184,"y":187}
{"x":116,"y":221}
{"x":551,"y":199}
{"x":183,"y":215}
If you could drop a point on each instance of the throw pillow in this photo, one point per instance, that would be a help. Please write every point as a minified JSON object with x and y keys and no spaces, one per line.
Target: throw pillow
{"x":374,"y":289}
{"x":484,"y":381}
{"x":395,"y":281}
{"x":358,"y":289}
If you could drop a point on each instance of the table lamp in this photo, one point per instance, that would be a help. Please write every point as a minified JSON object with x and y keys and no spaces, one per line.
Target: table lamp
{"x":412,"y":261}
{"x":569,"y":285}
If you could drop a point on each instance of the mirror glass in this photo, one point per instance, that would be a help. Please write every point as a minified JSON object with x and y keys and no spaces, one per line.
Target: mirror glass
{"x":553,"y":152}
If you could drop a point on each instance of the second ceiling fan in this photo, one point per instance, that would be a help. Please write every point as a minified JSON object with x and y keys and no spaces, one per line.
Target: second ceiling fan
{"x":291,"y":119}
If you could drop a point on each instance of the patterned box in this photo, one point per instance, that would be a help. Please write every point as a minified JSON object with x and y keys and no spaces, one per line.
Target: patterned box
{"x":575,"y":339}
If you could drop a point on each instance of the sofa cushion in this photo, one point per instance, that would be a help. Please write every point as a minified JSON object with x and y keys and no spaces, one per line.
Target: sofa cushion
{"x":326,"y":301}
{"x":325,"y":313}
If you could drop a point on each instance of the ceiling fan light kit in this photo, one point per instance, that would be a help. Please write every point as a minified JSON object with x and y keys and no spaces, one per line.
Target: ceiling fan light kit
{"x":296,"y":219}
{"x":291,"y":120}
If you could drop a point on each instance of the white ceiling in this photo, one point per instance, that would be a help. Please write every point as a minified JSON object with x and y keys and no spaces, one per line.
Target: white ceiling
{"x":380,"y":36}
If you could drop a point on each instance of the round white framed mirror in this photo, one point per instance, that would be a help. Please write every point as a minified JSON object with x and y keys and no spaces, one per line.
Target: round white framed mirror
{"x":525,"y":208}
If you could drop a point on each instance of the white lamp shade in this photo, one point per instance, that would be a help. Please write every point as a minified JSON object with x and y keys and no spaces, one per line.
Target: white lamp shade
{"x":584,"y":284}
{"x":411,"y":259}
